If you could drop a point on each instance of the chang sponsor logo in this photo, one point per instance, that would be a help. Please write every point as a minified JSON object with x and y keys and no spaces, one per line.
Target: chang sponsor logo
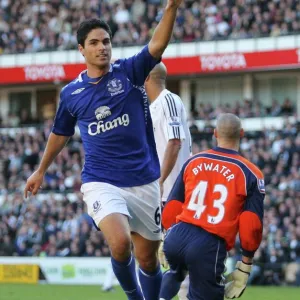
{"x":101,"y":126}
{"x":102,"y":112}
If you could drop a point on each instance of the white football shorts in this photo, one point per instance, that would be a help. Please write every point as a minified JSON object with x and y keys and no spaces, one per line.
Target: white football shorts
{"x":140,"y":203}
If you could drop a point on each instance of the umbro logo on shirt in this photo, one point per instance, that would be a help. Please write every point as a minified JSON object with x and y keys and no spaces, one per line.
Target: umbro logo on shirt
{"x":78,"y":91}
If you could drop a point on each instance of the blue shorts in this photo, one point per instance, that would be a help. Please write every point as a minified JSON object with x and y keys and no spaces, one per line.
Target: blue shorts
{"x":189,"y":248}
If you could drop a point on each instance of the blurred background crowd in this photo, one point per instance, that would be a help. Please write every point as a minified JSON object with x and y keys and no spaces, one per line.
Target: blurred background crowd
{"x":41,"y":25}
{"x":55,"y":222}
{"x":244,"y":109}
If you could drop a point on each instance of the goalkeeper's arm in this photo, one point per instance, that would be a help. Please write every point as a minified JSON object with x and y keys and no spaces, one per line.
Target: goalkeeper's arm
{"x":250,"y":236}
{"x":250,"y":229}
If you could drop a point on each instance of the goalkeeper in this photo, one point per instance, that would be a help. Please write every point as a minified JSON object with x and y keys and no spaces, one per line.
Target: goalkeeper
{"x":217,"y":194}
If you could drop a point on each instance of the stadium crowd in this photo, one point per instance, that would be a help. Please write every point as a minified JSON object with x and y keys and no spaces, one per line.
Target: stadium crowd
{"x":245,"y":109}
{"x":55,"y":222}
{"x":52,"y":227}
{"x":40,"y":25}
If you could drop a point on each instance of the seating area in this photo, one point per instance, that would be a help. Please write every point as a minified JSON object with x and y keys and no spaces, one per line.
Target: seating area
{"x":39,"y":25}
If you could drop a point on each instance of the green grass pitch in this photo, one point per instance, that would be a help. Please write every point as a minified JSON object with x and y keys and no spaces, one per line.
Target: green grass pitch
{"x":58,"y":292}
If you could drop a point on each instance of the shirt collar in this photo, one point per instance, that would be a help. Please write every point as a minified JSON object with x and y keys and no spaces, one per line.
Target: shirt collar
{"x":224,"y":150}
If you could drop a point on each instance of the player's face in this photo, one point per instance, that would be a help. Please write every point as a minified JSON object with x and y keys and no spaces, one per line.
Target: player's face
{"x":97,"y":48}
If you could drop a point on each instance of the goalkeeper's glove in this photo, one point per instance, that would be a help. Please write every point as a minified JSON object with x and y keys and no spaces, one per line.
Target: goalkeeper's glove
{"x":236,"y":281}
{"x":161,"y":256}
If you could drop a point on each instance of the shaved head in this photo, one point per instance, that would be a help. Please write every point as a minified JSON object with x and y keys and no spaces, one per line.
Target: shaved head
{"x":228,"y":127}
{"x":156,"y":81}
{"x":159,"y":72}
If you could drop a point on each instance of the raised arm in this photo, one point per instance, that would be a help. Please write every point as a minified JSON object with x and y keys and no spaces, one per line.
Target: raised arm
{"x":164,"y":29}
{"x":54,"y":145}
{"x":139,"y":65}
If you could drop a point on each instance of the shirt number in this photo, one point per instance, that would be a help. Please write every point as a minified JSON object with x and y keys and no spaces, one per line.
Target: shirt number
{"x":197,"y":201}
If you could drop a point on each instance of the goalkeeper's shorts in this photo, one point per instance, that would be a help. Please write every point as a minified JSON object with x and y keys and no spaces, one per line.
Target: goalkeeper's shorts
{"x":202,"y":254}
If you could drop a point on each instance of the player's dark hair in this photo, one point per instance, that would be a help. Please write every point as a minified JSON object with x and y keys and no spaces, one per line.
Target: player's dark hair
{"x":87,"y":26}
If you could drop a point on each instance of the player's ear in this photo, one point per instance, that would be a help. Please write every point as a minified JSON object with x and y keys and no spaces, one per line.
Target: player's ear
{"x":242,"y":133}
{"x":147,"y":79}
{"x":215,"y":133}
{"x":81,"y":49}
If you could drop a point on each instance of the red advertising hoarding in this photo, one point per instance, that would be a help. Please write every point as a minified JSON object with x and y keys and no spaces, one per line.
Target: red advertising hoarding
{"x":203,"y":64}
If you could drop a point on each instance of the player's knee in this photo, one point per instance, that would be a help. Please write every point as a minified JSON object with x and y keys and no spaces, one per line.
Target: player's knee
{"x":121,"y":248}
{"x":148,"y":262}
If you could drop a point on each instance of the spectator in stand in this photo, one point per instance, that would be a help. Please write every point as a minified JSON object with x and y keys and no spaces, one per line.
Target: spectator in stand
{"x":50,"y":25}
{"x":287,"y":107}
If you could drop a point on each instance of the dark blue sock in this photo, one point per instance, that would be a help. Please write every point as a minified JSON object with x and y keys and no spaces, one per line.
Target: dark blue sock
{"x":126,"y":274}
{"x":169,"y":287}
{"x":150,"y":283}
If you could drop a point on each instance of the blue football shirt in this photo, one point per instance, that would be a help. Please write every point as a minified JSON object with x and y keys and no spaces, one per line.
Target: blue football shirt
{"x":113,"y":117}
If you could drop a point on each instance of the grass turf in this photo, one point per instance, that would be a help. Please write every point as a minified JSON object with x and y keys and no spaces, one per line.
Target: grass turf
{"x":59,"y":292}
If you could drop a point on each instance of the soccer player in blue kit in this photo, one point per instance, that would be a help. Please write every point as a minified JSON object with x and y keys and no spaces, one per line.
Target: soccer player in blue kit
{"x":121,"y":169}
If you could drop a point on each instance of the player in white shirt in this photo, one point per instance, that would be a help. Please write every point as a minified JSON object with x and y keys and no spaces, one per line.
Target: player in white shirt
{"x":171,"y":131}
{"x":172,"y":138}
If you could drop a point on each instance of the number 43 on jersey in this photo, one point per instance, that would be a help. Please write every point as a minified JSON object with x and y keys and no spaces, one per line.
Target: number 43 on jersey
{"x":197,"y":201}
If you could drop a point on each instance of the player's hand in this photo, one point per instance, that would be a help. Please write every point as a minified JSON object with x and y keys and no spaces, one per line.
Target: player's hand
{"x":174,"y":3}
{"x":162,"y":257}
{"x":34,"y":183}
{"x":236,"y":281}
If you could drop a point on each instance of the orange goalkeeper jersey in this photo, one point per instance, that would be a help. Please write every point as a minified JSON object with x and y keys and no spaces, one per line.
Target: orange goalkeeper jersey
{"x":221,"y":192}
